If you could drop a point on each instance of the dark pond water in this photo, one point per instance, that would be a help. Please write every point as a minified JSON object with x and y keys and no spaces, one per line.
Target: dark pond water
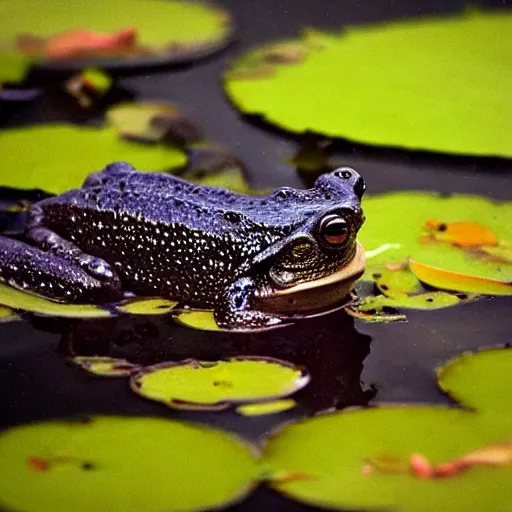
{"x":352,"y":363}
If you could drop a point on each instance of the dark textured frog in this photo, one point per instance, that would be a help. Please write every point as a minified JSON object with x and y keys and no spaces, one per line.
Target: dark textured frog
{"x":255,"y":261}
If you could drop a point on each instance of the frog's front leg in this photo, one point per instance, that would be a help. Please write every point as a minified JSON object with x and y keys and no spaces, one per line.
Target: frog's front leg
{"x":44,"y":273}
{"x":44,"y":238}
{"x":235,"y":312}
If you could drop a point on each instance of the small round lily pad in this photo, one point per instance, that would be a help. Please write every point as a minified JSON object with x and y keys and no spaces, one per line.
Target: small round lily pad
{"x":481,"y":379}
{"x":422,"y":84}
{"x":216,"y":385}
{"x":122,"y":463}
{"x":368,"y":460}
{"x":58,"y":157}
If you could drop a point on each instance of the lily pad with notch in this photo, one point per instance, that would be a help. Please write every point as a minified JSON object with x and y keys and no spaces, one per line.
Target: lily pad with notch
{"x":217,"y":385}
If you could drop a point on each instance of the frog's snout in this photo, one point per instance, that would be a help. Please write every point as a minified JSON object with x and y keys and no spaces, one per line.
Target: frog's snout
{"x":350,"y":175}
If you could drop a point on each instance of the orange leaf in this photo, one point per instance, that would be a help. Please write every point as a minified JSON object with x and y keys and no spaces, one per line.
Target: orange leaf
{"x":70,"y":43}
{"x":462,"y":234}
{"x":450,"y":280}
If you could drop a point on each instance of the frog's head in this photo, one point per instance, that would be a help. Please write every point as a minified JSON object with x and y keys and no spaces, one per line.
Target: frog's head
{"x":315,"y":265}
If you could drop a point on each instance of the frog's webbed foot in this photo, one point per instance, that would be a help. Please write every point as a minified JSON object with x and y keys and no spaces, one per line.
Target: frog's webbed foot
{"x":236,"y":314}
{"x":44,"y":273}
{"x":50,"y":242}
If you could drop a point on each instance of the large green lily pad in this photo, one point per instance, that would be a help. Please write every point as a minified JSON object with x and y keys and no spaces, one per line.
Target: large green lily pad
{"x":408,"y":457}
{"x":325,"y":461}
{"x":395,"y":230}
{"x":120,"y":464}
{"x":172,"y":30}
{"x":427,"y":84}
{"x":58,"y":157}
{"x":13,"y":67}
{"x":462,"y":238}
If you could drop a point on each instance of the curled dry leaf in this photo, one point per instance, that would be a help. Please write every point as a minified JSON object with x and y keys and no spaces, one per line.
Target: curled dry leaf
{"x":105,"y":366}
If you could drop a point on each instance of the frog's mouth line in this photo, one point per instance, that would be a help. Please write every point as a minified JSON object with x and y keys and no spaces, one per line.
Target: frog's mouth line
{"x":316,"y":295}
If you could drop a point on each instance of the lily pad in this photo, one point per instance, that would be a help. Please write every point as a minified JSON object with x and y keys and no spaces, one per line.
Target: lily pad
{"x":363,"y":460}
{"x":105,"y":366}
{"x":8,"y":314}
{"x":263,"y":408}
{"x":24,"y":301}
{"x":216,"y":385}
{"x":402,"y":249}
{"x":202,"y":320}
{"x":481,"y":380}
{"x":58,"y":157}
{"x":165,"y":31}
{"x":122,"y":463}
{"x":146,"y":306}
{"x":13,"y":67}
{"x":438,"y":87}
{"x":19,"y":300}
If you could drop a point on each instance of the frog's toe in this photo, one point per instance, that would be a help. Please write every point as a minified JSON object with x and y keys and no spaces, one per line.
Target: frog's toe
{"x":246,"y":320}
{"x":97,"y":267}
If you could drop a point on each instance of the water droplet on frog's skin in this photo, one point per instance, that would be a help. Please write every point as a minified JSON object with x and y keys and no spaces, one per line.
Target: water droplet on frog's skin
{"x":283,"y":193}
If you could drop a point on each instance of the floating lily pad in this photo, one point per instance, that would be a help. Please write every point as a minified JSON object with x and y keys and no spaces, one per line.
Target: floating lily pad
{"x":119,"y":464}
{"x":364,"y":460}
{"x":165,"y":31}
{"x":21,"y":300}
{"x":8,"y":314}
{"x":202,"y":320}
{"x":482,"y":380}
{"x":263,"y":408}
{"x":105,"y":366}
{"x":215,"y":385}
{"x":59,"y":157}
{"x":146,"y":306}
{"x":396,"y":229}
{"x":445,"y":238}
{"x":17,"y":299}
{"x":13,"y":67}
{"x":425,"y":84}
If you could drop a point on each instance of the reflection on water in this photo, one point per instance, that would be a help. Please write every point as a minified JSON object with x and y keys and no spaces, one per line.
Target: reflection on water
{"x":329,"y":346}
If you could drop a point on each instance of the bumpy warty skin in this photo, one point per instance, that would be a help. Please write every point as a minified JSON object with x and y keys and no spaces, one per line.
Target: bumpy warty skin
{"x":172,"y":238}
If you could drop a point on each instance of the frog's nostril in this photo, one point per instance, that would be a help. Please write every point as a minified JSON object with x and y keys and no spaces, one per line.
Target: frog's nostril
{"x":359,"y":187}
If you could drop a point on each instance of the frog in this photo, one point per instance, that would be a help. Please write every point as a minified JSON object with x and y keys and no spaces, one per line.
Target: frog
{"x":257,"y":262}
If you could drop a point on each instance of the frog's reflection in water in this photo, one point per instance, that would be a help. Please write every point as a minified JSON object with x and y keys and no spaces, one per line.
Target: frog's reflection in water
{"x":328,"y":346}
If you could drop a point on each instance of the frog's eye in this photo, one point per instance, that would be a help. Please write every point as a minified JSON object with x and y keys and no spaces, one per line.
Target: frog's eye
{"x":334,"y":230}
